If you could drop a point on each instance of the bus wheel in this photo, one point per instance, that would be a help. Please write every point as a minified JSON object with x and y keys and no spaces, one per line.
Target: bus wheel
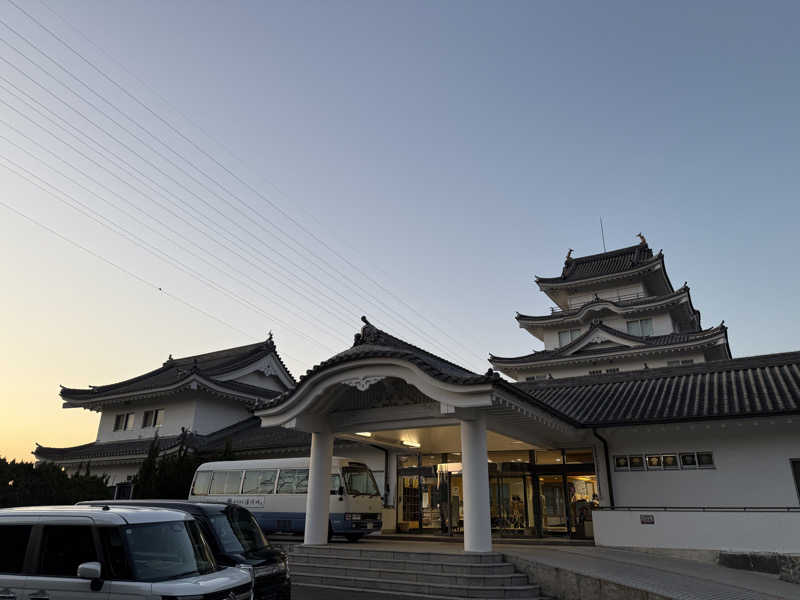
{"x":353,"y":538}
{"x":330,"y":532}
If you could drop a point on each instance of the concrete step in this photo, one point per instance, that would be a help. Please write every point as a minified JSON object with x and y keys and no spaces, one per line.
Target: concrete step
{"x":417,"y":576}
{"x":392,"y":582}
{"x":442,"y":565}
{"x":336,"y":550}
{"x":311,"y":591}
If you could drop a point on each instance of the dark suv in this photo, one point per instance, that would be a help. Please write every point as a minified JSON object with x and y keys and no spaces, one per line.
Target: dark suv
{"x":235,"y":539}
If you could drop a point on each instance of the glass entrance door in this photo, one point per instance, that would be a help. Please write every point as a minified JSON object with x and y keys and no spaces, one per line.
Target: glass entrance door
{"x":554,"y":507}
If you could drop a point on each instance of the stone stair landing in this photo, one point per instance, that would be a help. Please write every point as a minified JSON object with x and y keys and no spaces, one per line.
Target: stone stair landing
{"x":337,"y":572}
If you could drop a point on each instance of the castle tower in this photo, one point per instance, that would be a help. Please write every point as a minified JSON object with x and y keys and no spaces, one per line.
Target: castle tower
{"x":615,"y":311}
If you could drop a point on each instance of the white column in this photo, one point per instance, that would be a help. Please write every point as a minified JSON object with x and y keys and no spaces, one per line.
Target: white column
{"x":319,"y":488}
{"x":475,"y":475}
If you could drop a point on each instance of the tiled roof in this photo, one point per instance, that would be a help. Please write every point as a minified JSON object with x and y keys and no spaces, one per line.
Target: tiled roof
{"x":375,"y":343}
{"x":661,"y":300}
{"x":743,"y":387}
{"x":174,"y":370}
{"x":605,"y":263}
{"x":245,"y":437}
{"x":123,"y":448}
{"x":652,"y":342}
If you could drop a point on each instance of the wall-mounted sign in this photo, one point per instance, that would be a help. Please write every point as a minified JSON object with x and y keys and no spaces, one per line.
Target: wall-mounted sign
{"x":647,"y":519}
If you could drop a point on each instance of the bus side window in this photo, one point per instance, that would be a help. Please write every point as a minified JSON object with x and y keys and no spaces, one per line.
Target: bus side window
{"x":286,"y":481}
{"x":202,"y":480}
{"x":336,"y":483}
{"x":226,"y":482}
{"x":259,"y":482}
{"x":301,"y":481}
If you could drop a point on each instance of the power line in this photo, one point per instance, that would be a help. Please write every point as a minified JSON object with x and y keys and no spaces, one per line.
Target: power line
{"x":238,"y":241}
{"x":177,"y":234}
{"x":136,"y":240}
{"x":221,"y":165}
{"x":130,"y":273}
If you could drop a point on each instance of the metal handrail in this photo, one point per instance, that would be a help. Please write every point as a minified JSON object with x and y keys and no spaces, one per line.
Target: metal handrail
{"x":702,"y":508}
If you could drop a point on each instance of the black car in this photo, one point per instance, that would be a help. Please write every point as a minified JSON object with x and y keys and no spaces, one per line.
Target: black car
{"x":234,"y":537}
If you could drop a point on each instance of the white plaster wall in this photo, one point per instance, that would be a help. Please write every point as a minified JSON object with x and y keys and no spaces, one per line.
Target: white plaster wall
{"x":258,"y":378}
{"x":662,"y":322}
{"x":212,"y":414}
{"x":179,"y":411}
{"x":751,"y":458}
{"x":733,"y":531}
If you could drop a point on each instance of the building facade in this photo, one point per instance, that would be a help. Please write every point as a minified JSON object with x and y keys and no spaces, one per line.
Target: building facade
{"x":638,"y":430}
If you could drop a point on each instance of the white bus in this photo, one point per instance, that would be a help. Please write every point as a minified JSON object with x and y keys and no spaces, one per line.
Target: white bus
{"x":275,"y":491}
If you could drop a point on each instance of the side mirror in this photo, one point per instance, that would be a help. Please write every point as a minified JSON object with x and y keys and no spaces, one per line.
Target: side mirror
{"x":341,"y":490}
{"x":91,"y":571}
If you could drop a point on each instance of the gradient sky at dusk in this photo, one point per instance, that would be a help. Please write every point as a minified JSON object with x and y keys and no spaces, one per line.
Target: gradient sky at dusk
{"x":451,"y":150}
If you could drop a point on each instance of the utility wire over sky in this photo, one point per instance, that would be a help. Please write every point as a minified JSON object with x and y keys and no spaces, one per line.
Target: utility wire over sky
{"x":130,"y":168}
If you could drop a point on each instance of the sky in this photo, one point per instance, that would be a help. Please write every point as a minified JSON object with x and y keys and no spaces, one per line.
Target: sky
{"x":179,"y":177}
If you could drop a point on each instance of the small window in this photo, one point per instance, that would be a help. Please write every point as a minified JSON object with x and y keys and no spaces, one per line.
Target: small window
{"x":687,"y":361}
{"x":293,"y":481}
{"x":620,"y":463}
{"x":153,"y":418}
{"x":226,"y":482}
{"x":548,"y":457}
{"x":654,"y":462}
{"x":669,"y":461}
{"x":613,"y":370}
{"x":705,"y":460}
{"x":796,"y":472}
{"x":636,"y":462}
{"x":688,"y":460}
{"x":64,"y":547}
{"x":12,"y":549}
{"x":640,"y":327}
{"x":596,"y":372}
{"x":147,"y":420}
{"x":202,"y":481}
{"x":119,"y":422}
{"x":259,"y":482}
{"x":158,"y":419}
{"x":579,"y":455}
{"x":565,"y":337}
{"x":540,"y":377}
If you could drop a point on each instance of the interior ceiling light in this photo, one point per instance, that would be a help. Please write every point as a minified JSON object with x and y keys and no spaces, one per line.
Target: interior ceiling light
{"x":364,"y":433}
{"x":411,"y":444}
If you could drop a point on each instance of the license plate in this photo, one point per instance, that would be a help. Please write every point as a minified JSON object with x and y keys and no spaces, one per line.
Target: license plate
{"x":369,"y":525}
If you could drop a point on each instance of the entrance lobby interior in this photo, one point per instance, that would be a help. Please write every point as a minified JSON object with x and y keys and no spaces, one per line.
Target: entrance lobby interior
{"x":533,"y":491}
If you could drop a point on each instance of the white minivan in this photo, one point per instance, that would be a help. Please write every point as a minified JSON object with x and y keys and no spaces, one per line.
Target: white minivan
{"x":116,"y":553}
{"x":275,"y":491}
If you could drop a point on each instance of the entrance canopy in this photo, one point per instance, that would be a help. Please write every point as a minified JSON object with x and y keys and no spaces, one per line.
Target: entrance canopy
{"x":384,"y":384}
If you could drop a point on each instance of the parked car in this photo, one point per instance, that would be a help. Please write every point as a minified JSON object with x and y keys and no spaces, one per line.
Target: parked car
{"x":235,"y":539}
{"x":118,"y":553}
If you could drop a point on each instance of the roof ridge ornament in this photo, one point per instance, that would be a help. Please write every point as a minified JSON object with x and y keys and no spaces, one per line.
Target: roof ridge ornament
{"x":569,"y":255}
{"x":369,"y":333}
{"x":643,"y":240}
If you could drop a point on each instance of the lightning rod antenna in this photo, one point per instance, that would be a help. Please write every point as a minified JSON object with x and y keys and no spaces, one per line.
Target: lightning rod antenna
{"x":602,"y":234}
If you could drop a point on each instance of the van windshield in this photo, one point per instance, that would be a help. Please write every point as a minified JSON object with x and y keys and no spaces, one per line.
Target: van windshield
{"x":359,"y":481}
{"x":237,"y":531}
{"x":168,"y":550}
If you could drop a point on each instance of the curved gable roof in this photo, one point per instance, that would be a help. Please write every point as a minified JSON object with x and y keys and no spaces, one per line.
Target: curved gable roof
{"x":605,"y":263}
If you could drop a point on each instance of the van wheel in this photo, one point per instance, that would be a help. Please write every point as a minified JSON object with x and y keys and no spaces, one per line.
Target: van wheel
{"x":352,"y":538}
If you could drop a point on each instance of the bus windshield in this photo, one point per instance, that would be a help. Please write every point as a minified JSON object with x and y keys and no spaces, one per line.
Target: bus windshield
{"x":359,"y":481}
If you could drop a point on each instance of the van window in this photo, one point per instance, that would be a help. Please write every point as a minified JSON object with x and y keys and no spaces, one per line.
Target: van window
{"x":293,"y":481}
{"x":226,"y":482}
{"x":12,"y":549}
{"x":64,"y":547}
{"x":116,"y":564}
{"x":202,"y":480}
{"x":170,"y":550}
{"x":259,"y":482}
